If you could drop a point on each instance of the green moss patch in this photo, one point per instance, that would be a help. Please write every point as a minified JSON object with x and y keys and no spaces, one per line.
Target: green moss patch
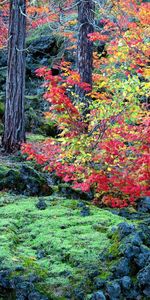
{"x":35,"y":138}
{"x":57,"y":244}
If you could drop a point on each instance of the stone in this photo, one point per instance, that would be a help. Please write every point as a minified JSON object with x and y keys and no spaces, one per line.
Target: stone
{"x":41,"y":204}
{"x":99,"y":283}
{"x":126,"y":282}
{"x":79,"y":294}
{"x":81,"y":204}
{"x":131,"y":251}
{"x":145,"y":233}
{"x":20,"y":297}
{"x":99,"y":295}
{"x":85,"y":212}
{"x":146,"y":291}
{"x":122,"y":268}
{"x":114,"y":290}
{"x":144,"y":205}
{"x":143,"y":276}
{"x":142,"y":259}
{"x":133,"y":294}
{"x":93,"y":273}
{"x":19,"y":268}
{"x":125,"y":229}
{"x":136,"y":240}
{"x":34,"y":296}
{"x":41,"y":254}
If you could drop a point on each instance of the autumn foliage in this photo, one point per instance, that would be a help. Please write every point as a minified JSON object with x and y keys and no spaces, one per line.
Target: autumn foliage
{"x":106,"y":151}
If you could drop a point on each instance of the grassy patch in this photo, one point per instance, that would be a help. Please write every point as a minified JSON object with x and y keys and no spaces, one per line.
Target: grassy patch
{"x":71,"y":244}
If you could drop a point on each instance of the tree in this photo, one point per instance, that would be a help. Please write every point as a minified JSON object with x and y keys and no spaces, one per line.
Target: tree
{"x":85,"y":46}
{"x":106,"y":153}
{"x":14,"y":131}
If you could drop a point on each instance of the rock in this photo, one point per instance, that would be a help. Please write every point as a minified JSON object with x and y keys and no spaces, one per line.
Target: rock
{"x":125,"y":229}
{"x":31,"y":182}
{"x":113,"y":290}
{"x":123,"y":268}
{"x":85,"y":212}
{"x":19,"y":268}
{"x":145,"y":233}
{"x":143,"y":276}
{"x":131,"y":251}
{"x":126,"y":282}
{"x":98,"y":296}
{"x":145,"y":250}
{"x":41,"y":204}
{"x":41,"y":254}
{"x":79,"y":294}
{"x":33,"y":278}
{"x":144,"y":205}
{"x":142,"y":259}
{"x":81,"y":204}
{"x":136,"y":240}
{"x":99,"y":283}
{"x":133,"y":294}
{"x":20,"y":297}
{"x":146,"y":291}
{"x":34,"y":296}
{"x":42,"y":48}
{"x":10,"y":180}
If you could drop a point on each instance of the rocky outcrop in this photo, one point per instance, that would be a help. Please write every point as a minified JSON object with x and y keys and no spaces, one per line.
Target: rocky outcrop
{"x":130,"y":270}
{"x":23,"y":179}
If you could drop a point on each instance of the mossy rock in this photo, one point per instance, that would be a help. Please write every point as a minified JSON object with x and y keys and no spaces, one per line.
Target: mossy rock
{"x":42,"y":46}
{"x":23,"y":179}
{"x":56,"y":244}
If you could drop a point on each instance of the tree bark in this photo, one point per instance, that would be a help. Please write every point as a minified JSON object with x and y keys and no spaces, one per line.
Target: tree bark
{"x":14,"y":131}
{"x":86,"y":10}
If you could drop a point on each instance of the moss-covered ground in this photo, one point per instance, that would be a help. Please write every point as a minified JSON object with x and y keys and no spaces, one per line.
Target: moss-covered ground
{"x":57,"y":244}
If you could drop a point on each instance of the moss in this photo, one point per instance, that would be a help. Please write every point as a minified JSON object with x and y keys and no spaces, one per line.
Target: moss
{"x":114,"y":248}
{"x":2,"y":108}
{"x":71,"y":243}
{"x":39,"y":31}
{"x":35,"y":138}
{"x":104,"y":275}
{"x":3,"y":170}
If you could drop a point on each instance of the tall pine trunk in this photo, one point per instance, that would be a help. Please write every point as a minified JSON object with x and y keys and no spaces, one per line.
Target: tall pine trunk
{"x":14,"y":131}
{"x":86,"y":10}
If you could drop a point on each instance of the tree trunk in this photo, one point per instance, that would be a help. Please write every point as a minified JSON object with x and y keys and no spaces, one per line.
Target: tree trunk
{"x":86,"y":10}
{"x":14,"y":132}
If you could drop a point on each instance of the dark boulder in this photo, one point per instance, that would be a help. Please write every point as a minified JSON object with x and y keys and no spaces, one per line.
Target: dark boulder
{"x":142,"y":259}
{"x":79,"y":294}
{"x":99,"y":283}
{"x":85,"y":212}
{"x":125,"y":229}
{"x":143,"y":277}
{"x":114,"y":290}
{"x":144,"y":205}
{"x":122,"y":268}
{"x":98,"y":296}
{"x":24,"y":179}
{"x":131,"y":251}
{"x":126,"y":282}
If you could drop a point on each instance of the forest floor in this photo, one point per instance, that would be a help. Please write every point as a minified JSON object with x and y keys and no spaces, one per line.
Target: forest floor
{"x":57,"y":247}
